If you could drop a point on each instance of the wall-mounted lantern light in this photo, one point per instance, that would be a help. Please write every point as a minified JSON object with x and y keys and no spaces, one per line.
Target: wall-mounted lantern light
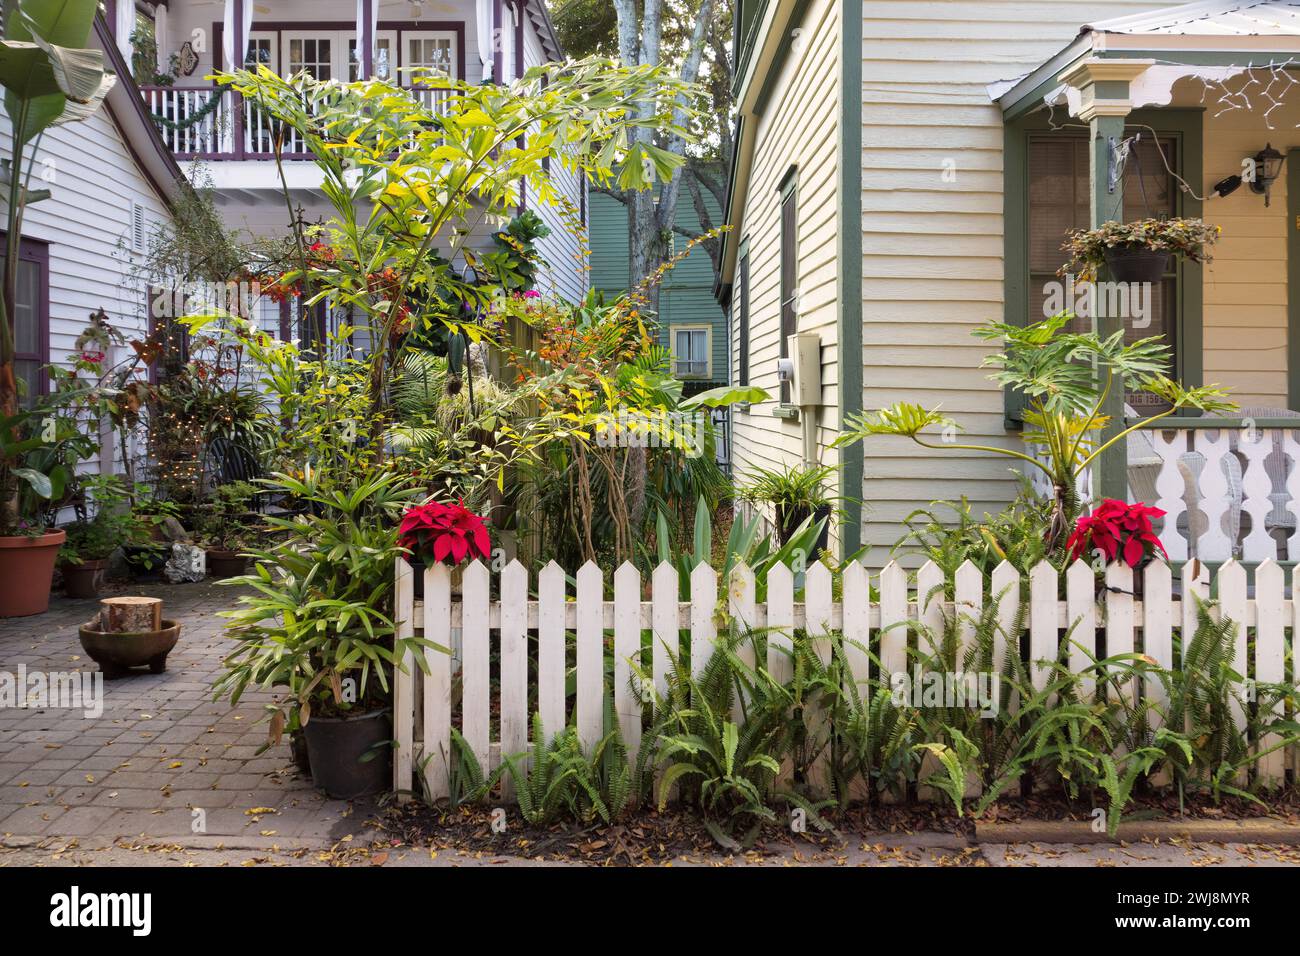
{"x":1268,"y":164}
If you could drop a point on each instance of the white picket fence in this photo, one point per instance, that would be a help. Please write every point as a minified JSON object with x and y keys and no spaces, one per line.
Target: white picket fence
{"x":465,"y":622}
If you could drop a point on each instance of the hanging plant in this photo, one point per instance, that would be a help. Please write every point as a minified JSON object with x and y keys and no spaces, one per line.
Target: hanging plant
{"x":1137,"y":251}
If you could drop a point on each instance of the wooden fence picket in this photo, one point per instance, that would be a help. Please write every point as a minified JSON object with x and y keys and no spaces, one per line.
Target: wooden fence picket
{"x":664,"y":624}
{"x":780,"y":622}
{"x":856,"y":586}
{"x":1004,"y":591}
{"x":893,"y":618}
{"x":404,"y":679}
{"x":1270,"y":656}
{"x":1043,"y":642}
{"x":476,"y":650}
{"x":590,"y":706}
{"x":1081,"y":620}
{"x":551,"y":665}
{"x":704,"y":631}
{"x":506,"y":627}
{"x":628,"y":691}
{"x":742,"y":608}
{"x":1120,"y":618}
{"x":1231,"y":581}
{"x":512,"y":685}
{"x":436,"y":751}
{"x":968,"y":589}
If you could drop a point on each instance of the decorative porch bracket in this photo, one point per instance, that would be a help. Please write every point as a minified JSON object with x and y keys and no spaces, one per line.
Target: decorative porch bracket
{"x":1104,"y":103}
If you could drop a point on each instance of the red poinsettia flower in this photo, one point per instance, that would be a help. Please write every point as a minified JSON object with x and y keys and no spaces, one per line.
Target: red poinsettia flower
{"x":1119,"y":530}
{"x":451,"y":534}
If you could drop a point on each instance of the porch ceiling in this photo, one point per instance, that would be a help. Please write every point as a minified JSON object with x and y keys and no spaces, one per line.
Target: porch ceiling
{"x":1211,"y":39}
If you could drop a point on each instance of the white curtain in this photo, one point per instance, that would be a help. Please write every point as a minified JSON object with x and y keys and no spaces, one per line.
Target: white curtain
{"x":161,"y":39}
{"x":366,"y":33}
{"x":486,"y":47}
{"x":235,"y":60}
{"x":124,"y":27}
{"x":508,"y":44}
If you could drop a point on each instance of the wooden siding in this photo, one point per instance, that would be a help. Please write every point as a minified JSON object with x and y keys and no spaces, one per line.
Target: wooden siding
{"x":798,"y":126}
{"x":1245,"y":310}
{"x":566,"y":272}
{"x":685,"y":295}
{"x":932,"y":258}
{"x":87,"y":224}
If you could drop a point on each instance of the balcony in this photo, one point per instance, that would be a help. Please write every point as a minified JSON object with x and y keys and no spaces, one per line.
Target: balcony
{"x":205,"y":123}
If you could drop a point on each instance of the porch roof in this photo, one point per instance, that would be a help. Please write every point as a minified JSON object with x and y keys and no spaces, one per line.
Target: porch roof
{"x":1209,"y":38}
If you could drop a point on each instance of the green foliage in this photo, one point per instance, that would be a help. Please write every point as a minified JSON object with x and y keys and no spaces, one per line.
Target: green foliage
{"x":1066,"y":378}
{"x":558,"y":778}
{"x":225,"y":522}
{"x":112,"y":526}
{"x":949,"y":534}
{"x":747,"y":543}
{"x":319,"y":622}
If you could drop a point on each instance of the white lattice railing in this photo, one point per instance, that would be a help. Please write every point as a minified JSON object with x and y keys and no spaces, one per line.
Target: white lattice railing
{"x":1230,"y":487}
{"x":193,"y":127}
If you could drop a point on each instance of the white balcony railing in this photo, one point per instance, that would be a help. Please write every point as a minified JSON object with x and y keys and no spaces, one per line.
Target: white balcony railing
{"x":200,"y":123}
{"x":1230,"y":487}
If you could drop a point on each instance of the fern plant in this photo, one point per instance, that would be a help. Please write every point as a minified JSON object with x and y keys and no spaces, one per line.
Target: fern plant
{"x":558,"y":778}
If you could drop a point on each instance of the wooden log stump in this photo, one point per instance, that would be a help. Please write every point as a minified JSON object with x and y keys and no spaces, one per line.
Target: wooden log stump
{"x":130,"y":615}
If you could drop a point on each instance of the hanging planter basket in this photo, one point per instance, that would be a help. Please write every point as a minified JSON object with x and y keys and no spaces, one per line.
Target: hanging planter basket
{"x":1136,"y":264}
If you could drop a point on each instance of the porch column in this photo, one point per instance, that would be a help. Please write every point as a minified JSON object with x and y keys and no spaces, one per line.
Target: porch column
{"x":1103,"y":87}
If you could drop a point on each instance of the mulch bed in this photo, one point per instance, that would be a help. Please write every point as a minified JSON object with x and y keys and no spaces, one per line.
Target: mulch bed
{"x":648,"y":838}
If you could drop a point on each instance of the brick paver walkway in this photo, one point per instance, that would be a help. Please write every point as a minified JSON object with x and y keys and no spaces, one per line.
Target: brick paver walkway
{"x":161,"y":750}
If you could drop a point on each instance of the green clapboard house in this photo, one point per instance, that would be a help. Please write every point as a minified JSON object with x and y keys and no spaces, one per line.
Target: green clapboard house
{"x":691,"y":323}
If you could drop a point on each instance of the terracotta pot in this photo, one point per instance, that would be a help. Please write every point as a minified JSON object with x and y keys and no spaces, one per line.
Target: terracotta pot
{"x":225,"y":564}
{"x":26,"y":570}
{"x":116,"y":653}
{"x":83,"y":581}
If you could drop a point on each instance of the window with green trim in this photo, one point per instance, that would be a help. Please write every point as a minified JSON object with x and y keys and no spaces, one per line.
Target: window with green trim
{"x":1048,"y":193}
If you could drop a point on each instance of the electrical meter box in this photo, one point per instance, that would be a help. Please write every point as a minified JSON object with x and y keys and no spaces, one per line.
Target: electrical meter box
{"x":805,"y":351}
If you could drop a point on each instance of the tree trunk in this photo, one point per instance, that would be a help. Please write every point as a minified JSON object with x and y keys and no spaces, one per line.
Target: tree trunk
{"x":131,"y":615}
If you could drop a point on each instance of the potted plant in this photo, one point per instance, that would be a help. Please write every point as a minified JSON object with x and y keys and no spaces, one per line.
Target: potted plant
{"x":39,"y":451}
{"x":434,"y":533}
{"x":147,"y":552}
{"x":226,"y":531}
{"x":91,"y":541}
{"x":318,"y":626}
{"x":796,"y":494}
{"x":1137,"y":251}
{"x":49,"y":76}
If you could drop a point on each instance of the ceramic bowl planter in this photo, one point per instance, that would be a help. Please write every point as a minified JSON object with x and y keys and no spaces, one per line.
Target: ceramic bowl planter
{"x":1136,"y":264}
{"x":225,"y":564}
{"x":116,"y":653}
{"x":350,"y":756}
{"x":83,"y":581}
{"x":26,"y":571}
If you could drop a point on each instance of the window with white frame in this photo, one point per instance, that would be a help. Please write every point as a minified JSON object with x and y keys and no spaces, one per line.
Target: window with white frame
{"x":691,"y":351}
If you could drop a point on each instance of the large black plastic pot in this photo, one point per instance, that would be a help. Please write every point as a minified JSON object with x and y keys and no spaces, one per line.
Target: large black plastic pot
{"x":1138,"y":264}
{"x":788,"y":521}
{"x":336,"y":747}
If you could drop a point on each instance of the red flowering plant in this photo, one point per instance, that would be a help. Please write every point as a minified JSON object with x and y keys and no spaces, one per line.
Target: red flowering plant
{"x":1118,"y":530}
{"x":451,"y":534}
